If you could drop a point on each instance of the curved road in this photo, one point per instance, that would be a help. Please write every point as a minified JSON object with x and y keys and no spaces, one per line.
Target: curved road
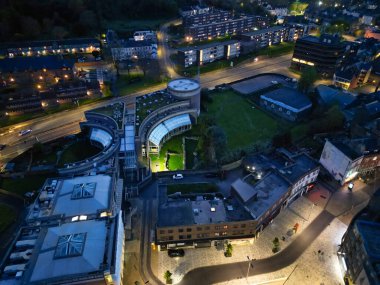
{"x":225,"y":272}
{"x":65,"y":123}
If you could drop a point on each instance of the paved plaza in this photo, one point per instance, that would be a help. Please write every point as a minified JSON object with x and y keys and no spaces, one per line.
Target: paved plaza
{"x":302,"y":211}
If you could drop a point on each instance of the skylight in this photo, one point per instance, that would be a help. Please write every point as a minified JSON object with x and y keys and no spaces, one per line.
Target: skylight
{"x":70,"y":245}
{"x":83,"y":190}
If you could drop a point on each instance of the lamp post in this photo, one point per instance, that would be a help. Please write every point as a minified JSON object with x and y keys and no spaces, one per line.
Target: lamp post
{"x":249,"y":266}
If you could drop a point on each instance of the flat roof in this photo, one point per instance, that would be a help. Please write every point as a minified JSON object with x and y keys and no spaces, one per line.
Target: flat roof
{"x":269,"y":190}
{"x":23,"y":63}
{"x":262,"y":31}
{"x":65,"y":204}
{"x":214,"y":44}
{"x":288,"y":98}
{"x":302,"y":165}
{"x":48,"y":266}
{"x":244,"y":190}
{"x":175,"y":213}
{"x":370,"y":232}
{"x":208,"y":212}
{"x":183,"y":84}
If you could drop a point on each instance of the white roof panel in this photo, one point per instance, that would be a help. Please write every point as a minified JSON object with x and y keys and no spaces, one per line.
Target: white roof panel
{"x":101,"y":136}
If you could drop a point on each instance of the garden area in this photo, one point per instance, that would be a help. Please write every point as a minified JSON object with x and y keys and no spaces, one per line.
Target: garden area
{"x":25,"y":184}
{"x":77,"y":151}
{"x":192,"y":188}
{"x":115,"y":111}
{"x":170,"y":156}
{"x":243,"y":124}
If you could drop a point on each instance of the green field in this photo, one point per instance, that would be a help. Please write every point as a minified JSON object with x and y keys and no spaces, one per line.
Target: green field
{"x":22,"y":185}
{"x":7,"y":216}
{"x":243,"y":124}
{"x":78,"y":151}
{"x":200,"y":188}
{"x":190,"y":146}
{"x":174,"y":145}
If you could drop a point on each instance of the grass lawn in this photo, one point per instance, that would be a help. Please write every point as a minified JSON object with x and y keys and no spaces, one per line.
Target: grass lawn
{"x":22,"y":185}
{"x":200,"y":188}
{"x":175,"y":161}
{"x":277,"y":50}
{"x":78,"y":151}
{"x":190,"y":146}
{"x":244,"y":126}
{"x":7,"y":216}
{"x":126,"y":87}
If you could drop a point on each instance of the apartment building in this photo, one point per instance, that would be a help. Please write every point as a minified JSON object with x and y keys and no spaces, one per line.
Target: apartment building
{"x":204,"y":54}
{"x":259,"y":39}
{"x":218,"y":23}
{"x":51,"y":47}
{"x":134,"y":49}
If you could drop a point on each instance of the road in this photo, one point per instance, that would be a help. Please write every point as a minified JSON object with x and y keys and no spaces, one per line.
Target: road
{"x":51,"y":127}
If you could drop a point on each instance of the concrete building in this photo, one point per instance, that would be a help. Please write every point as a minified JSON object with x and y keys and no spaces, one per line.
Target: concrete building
{"x":134,"y":49}
{"x":345,"y":159}
{"x":144,"y":36}
{"x":162,"y":114}
{"x":198,"y":223}
{"x":287,"y":103}
{"x":199,"y":55}
{"x":324,"y":53}
{"x":214,"y":23}
{"x":74,"y":235}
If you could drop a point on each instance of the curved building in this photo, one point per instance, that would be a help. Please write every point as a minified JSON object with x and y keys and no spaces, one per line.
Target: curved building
{"x":166,"y":113}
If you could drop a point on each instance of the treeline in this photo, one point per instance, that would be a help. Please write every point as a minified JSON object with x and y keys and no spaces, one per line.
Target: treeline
{"x":43,"y":19}
{"x":46,"y":19}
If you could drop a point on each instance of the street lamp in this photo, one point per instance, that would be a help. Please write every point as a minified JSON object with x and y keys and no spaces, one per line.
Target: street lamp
{"x":350,"y":186}
{"x":249,"y":265}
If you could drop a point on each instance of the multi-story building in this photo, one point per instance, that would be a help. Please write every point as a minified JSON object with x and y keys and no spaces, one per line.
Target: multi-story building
{"x":324,"y":53}
{"x":74,"y":234}
{"x":259,"y":39}
{"x":144,"y":36}
{"x":50,"y":47}
{"x":358,"y":252}
{"x":134,"y":49}
{"x":345,"y":159}
{"x":287,"y":103}
{"x":70,"y":91}
{"x":20,"y":103}
{"x":218,"y":23}
{"x":194,"y":10}
{"x":297,"y":31}
{"x":203,"y":54}
{"x":200,"y":222}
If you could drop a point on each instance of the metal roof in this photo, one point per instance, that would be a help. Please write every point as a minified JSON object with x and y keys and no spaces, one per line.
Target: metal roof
{"x":101,"y":136}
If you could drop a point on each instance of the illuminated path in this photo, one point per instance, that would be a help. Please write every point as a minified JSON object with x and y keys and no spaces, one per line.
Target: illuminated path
{"x":234,"y":271}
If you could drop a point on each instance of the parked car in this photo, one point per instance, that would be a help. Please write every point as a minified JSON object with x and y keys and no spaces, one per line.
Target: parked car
{"x":177,"y":176}
{"x":274,"y":82}
{"x":176,"y":252}
{"x":24,"y":132}
{"x":2,"y":146}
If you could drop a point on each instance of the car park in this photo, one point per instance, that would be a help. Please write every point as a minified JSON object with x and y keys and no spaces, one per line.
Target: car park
{"x":177,"y":176}
{"x":176,"y":252}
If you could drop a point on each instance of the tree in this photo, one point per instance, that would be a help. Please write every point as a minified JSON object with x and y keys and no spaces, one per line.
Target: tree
{"x":308,"y":77}
{"x":30,"y":27}
{"x":229,"y":249}
{"x":168,"y":277}
{"x":276,"y":245}
{"x":282,"y":140}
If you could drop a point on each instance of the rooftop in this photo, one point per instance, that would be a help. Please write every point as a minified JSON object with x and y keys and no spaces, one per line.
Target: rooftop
{"x":183,"y":84}
{"x":370,"y":232}
{"x":73,"y":197}
{"x":20,"y":64}
{"x":263,"y":31}
{"x":302,"y":164}
{"x":73,"y":248}
{"x":330,"y":95}
{"x":290,"y":98}
{"x":209,"y":45}
{"x":269,"y":190}
{"x":55,"y":43}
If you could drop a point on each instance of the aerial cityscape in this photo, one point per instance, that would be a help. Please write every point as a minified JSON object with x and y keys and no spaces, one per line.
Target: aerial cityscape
{"x":190,"y":142}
